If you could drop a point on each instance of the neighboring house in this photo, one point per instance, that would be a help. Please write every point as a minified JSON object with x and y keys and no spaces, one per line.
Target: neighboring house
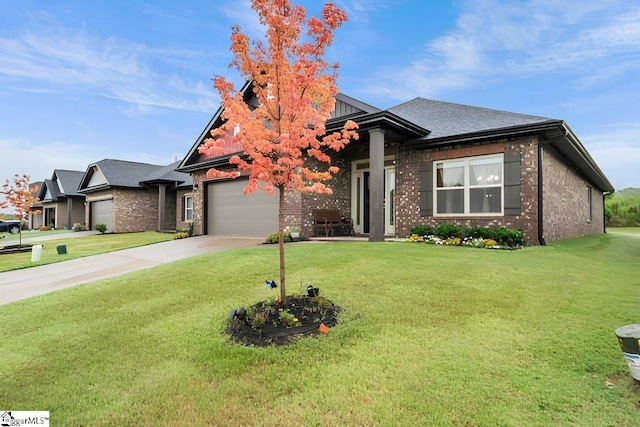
{"x":130,"y":196}
{"x":36,"y":217}
{"x":61,"y":204}
{"x":425,"y":162}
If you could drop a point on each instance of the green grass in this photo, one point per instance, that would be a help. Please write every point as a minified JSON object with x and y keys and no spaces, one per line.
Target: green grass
{"x":430,"y":335}
{"x":78,"y":247}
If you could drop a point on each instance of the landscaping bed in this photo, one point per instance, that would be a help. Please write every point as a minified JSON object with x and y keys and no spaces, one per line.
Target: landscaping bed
{"x":12,"y":249}
{"x":273,"y":323}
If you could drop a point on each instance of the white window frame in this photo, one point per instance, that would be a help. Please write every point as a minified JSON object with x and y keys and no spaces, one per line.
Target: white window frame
{"x":188,"y":211}
{"x":466,"y":187}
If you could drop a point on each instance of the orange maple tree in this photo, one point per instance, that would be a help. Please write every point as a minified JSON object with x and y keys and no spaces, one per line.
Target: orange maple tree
{"x":19,"y":196}
{"x":283,"y":138}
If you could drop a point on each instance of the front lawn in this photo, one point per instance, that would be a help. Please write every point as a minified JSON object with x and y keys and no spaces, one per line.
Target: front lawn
{"x":430,"y":335}
{"x":77,"y":247}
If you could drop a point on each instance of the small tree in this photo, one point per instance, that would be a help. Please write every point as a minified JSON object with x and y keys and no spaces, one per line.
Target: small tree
{"x":295,"y":89}
{"x":19,"y":196}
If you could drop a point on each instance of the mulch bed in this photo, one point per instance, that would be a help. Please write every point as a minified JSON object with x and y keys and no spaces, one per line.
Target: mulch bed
{"x":12,"y":249}
{"x":270,"y":323}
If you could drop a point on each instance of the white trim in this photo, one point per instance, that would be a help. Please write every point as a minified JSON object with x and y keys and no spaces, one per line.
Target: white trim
{"x":466,"y":187}
{"x":187,"y":209}
{"x":357,"y":203}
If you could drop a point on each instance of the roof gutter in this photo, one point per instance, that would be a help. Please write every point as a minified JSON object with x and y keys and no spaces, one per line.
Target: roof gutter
{"x":506,"y":132}
{"x":383,"y":119}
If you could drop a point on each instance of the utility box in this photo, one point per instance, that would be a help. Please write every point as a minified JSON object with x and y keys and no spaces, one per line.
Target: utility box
{"x":629,"y":340}
{"x":62,"y":249}
{"x":36,"y":253}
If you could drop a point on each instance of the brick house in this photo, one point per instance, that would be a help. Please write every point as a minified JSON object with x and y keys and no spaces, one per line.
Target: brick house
{"x":130,"y":196}
{"x":60,"y":203}
{"x":425,"y":162}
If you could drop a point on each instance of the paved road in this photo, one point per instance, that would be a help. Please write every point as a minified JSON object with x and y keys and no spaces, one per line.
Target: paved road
{"x":20,"y":284}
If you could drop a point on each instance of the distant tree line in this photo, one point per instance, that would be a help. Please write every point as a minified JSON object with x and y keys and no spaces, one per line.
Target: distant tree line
{"x":622,"y":208}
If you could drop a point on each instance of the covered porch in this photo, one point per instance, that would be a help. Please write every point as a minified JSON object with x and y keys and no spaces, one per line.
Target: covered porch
{"x":372,"y":171}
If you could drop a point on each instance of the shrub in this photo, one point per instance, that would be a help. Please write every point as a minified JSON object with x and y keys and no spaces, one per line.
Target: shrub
{"x":190,"y":230}
{"x":421,"y":230}
{"x":273,"y":238}
{"x":479,"y":233}
{"x":101,"y":228}
{"x":445,"y":231}
{"x":181,"y":235}
{"x":508,"y":237}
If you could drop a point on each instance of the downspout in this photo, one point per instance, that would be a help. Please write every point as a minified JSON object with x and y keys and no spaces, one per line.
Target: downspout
{"x":540,"y":199}
{"x":604,"y":214}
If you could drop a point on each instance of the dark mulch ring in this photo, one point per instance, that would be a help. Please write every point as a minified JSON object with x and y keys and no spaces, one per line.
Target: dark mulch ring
{"x":272,"y":323}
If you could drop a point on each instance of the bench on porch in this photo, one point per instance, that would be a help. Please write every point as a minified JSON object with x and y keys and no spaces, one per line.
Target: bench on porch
{"x":329,"y":222}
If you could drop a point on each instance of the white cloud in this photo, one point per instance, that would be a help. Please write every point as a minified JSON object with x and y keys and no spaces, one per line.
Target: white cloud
{"x":239,"y":13}
{"x":495,"y":40}
{"x":616,"y":148}
{"x":40,"y":160}
{"x":617,"y":152}
{"x":359,"y":11}
{"x":76,"y":61}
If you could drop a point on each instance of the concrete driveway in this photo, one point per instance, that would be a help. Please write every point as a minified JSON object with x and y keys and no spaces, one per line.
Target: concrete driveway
{"x":21,"y":284}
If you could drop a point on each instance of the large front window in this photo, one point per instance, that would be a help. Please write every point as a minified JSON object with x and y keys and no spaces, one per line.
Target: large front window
{"x":470,"y":186}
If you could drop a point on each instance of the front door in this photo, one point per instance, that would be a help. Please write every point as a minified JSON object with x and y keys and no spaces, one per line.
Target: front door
{"x":360,"y":174}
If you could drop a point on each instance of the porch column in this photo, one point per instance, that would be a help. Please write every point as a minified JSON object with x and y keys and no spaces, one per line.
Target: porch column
{"x":376,"y":185}
{"x":162,"y":190}
{"x":69,"y":213}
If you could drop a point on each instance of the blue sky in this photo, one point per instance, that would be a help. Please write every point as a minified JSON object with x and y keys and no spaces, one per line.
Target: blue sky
{"x":81,"y":81}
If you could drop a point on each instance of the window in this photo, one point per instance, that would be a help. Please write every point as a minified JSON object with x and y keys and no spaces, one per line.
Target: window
{"x":188,"y":208}
{"x":470,"y":186}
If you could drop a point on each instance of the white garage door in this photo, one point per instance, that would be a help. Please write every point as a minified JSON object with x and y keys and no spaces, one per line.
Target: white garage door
{"x":102,"y":213}
{"x":231,"y":212}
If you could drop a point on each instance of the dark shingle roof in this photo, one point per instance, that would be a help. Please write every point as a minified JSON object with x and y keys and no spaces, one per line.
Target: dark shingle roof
{"x":123,"y":173}
{"x":68,"y":181}
{"x":51,"y":187}
{"x":168,"y":174}
{"x":446,"y":119}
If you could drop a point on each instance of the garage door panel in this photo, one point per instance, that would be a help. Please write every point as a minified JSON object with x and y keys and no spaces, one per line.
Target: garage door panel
{"x":102,"y":213}
{"x":231,"y":212}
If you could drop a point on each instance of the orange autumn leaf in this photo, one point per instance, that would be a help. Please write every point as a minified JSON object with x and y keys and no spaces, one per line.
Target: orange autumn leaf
{"x":295,"y":89}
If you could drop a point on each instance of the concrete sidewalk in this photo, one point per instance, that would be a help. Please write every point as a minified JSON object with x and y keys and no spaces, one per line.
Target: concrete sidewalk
{"x":20,"y":284}
{"x":31,"y":237}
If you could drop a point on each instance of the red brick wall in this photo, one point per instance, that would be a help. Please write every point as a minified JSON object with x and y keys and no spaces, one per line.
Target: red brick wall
{"x":198,"y":178}
{"x":408,"y":187}
{"x":135,"y":210}
{"x":340,"y":185}
{"x":179,"y":211}
{"x":565,"y":203}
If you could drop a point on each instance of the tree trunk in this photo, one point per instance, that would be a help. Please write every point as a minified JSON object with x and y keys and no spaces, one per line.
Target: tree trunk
{"x":283,"y":291}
